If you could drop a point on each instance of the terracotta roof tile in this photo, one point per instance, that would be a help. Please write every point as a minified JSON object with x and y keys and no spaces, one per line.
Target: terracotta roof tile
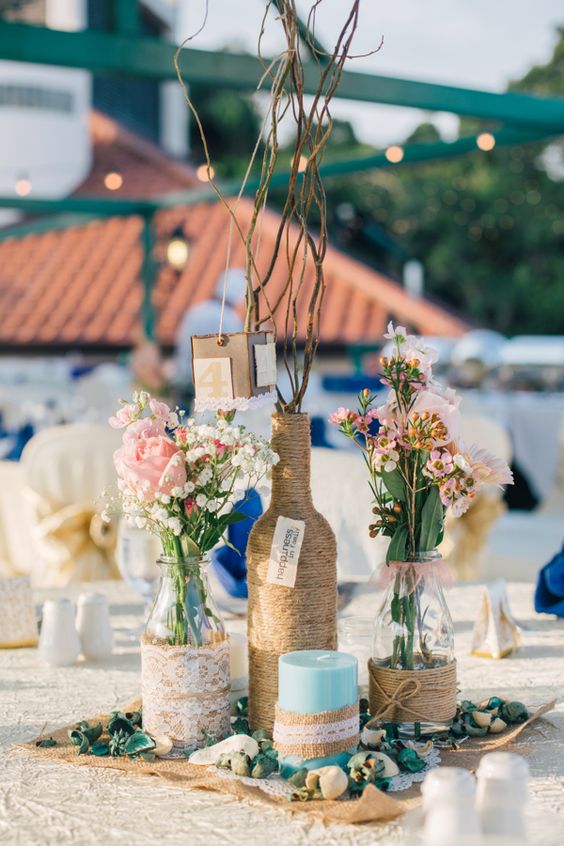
{"x":82,"y":285}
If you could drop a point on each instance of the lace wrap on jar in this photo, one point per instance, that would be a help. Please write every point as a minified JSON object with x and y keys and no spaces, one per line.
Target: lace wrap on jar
{"x":186,"y":692}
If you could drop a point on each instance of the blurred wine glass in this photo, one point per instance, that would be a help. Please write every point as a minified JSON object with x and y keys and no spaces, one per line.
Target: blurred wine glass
{"x":137,"y":553}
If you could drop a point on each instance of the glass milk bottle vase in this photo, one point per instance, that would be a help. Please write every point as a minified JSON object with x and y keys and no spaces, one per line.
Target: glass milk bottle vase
{"x":185,"y":670}
{"x":412,"y":673}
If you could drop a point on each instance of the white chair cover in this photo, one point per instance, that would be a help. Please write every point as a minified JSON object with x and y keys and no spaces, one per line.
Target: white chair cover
{"x":16,"y":548}
{"x":66,"y":469}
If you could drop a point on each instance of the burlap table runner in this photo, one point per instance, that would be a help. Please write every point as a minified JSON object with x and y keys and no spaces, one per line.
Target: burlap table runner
{"x":373,"y":805}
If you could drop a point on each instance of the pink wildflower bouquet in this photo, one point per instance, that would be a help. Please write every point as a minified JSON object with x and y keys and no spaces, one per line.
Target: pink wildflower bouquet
{"x":180,"y":479}
{"x":417,"y":465}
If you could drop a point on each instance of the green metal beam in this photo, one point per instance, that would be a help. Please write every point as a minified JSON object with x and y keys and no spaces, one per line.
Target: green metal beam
{"x":120,"y":54}
{"x":98,"y":206}
{"x":148,"y":275}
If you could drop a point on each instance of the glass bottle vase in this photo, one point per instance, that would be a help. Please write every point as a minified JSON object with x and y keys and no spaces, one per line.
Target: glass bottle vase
{"x":185,"y":671}
{"x":413,"y":631}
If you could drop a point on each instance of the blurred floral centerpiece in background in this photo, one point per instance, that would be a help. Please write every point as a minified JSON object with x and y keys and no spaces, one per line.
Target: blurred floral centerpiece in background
{"x":180,"y":480}
{"x":418,"y":468}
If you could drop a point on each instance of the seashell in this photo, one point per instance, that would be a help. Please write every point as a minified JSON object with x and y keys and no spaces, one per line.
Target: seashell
{"x":163,"y":745}
{"x":390,"y":768}
{"x":224,"y":761}
{"x":482,"y":718}
{"x":119,"y":722}
{"x":371,"y":737}
{"x":497,"y":726}
{"x":240,"y":764}
{"x":358,"y":760}
{"x":235,"y":743}
{"x":513,"y":712}
{"x":420,"y":749}
{"x":330,"y":781}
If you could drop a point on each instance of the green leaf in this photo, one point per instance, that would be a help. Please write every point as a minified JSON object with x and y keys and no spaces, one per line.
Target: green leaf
{"x":396,"y":549}
{"x":394,"y":484}
{"x":431,"y":520}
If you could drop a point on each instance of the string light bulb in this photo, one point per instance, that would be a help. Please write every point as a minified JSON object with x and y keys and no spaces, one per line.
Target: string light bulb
{"x":205,"y":173}
{"x":113,"y":180}
{"x":394,"y":154}
{"x":22,"y":186}
{"x":177,"y":250}
{"x":485,"y":141}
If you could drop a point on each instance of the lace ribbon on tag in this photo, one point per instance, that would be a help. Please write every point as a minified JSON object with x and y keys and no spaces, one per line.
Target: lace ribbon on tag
{"x":186,"y":692}
{"x":235,"y":404}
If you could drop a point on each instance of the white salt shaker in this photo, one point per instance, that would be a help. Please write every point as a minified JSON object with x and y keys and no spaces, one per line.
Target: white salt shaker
{"x":449,"y":808}
{"x":59,"y":644}
{"x":94,"y":626}
{"x":503,"y":780}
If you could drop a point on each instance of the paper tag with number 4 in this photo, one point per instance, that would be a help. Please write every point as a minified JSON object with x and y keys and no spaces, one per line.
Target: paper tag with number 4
{"x":212,"y":378}
{"x":285,"y":552}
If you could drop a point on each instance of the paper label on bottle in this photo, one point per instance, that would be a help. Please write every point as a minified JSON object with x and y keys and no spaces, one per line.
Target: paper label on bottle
{"x":285,"y":552}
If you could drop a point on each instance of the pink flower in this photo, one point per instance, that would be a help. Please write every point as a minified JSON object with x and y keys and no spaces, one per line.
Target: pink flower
{"x":124,"y":416}
{"x":439,"y":464}
{"x":342,"y":415}
{"x":190,"y":507}
{"x":151,"y":465}
{"x":446,"y":407}
{"x":486,"y":468}
{"x":159,"y":409}
{"x":143,"y":428}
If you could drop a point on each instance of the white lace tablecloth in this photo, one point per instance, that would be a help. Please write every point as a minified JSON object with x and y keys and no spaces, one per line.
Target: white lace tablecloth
{"x":44,"y":802}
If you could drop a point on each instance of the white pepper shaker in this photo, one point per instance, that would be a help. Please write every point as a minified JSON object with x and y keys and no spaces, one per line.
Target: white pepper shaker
{"x":59,"y":644}
{"x":94,"y":626}
{"x":503,"y":780}
{"x":449,"y":807}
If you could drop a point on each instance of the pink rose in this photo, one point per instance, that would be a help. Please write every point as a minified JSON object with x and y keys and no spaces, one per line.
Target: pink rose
{"x":151,"y":465}
{"x":144,"y":428}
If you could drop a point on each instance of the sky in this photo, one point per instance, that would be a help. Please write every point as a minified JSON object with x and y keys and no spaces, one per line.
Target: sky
{"x":473,"y":43}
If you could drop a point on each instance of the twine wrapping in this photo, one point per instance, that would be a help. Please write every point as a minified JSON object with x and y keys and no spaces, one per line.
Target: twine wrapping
{"x":426,"y":696}
{"x":316,"y":735}
{"x":283,"y":619}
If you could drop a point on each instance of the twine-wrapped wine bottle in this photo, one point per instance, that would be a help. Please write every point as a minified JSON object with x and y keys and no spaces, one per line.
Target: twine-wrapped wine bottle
{"x":283,"y":619}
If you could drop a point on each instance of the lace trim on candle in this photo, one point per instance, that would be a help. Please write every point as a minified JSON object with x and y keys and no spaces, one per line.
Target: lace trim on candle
{"x":186,"y":692}
{"x":236,"y":404}
{"x":321,"y":733}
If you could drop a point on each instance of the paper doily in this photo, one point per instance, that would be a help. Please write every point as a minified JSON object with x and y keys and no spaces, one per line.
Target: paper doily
{"x":275,"y":785}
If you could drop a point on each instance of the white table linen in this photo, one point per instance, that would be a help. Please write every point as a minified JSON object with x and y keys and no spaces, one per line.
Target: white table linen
{"x":45,"y":802}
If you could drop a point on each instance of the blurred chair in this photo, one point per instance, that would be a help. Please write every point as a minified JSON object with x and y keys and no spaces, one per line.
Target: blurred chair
{"x":16,"y":548}
{"x":66,"y":469}
{"x":466,"y":537}
{"x":99,"y":391}
{"x":553,"y":503}
{"x":341,"y":493}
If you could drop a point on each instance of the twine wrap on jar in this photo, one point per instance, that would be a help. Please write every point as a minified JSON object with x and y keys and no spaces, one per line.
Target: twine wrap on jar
{"x":284,"y":619}
{"x":185,"y":692}
{"x":412,"y":695}
{"x":316,"y":735}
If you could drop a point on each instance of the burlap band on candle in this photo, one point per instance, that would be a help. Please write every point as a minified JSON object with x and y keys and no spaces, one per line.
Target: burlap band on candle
{"x":316,"y":735}
{"x":412,"y":695}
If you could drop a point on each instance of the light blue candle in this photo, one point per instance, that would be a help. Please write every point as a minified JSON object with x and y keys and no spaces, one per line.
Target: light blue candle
{"x":317,"y":680}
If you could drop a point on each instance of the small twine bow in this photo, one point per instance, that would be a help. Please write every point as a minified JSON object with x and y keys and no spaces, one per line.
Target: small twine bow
{"x":438,"y":697}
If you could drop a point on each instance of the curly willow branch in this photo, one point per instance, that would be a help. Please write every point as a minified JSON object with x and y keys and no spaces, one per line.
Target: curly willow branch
{"x":295,"y":304}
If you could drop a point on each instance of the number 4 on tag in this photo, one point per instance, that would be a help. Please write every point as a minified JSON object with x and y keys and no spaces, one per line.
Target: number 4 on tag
{"x":212,"y":378}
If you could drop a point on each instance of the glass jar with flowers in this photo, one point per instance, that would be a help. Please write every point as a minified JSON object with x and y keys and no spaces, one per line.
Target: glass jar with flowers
{"x":417,"y":469}
{"x":180,"y":480}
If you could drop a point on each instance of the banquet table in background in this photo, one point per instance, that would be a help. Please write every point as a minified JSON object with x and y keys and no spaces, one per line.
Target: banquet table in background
{"x":44,"y":802}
